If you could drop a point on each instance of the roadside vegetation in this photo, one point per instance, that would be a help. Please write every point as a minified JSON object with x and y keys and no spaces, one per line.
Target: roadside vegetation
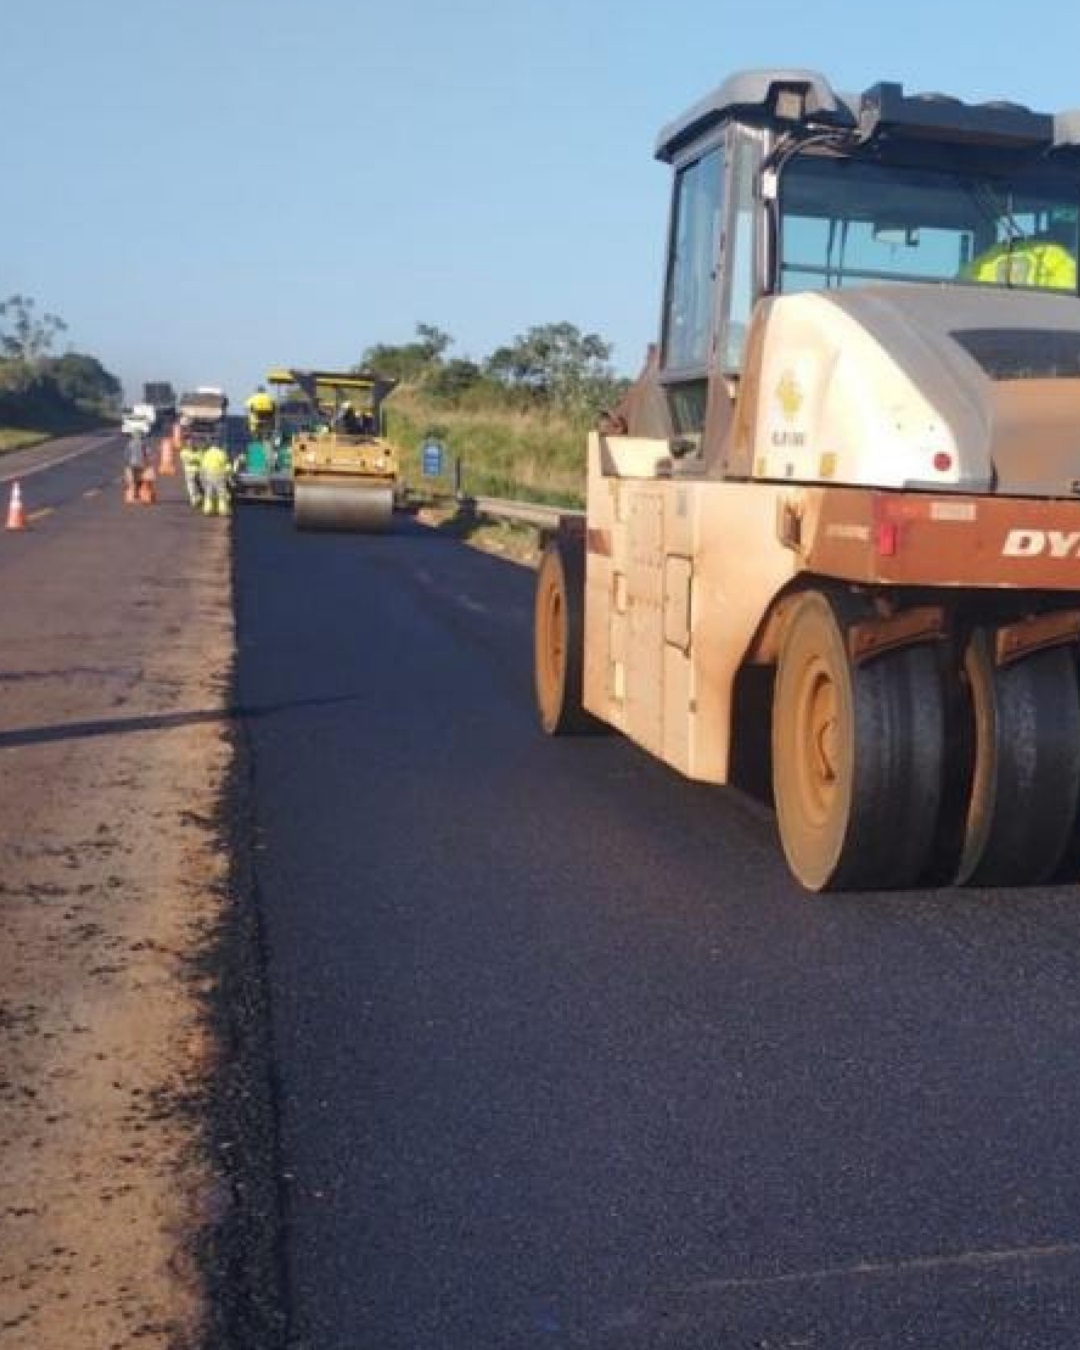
{"x":43,"y":395}
{"x":515,"y":422}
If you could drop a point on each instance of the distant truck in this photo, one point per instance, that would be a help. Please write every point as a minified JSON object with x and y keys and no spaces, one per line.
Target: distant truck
{"x":202,"y":411}
{"x":140,"y":418}
{"x":161,"y":396}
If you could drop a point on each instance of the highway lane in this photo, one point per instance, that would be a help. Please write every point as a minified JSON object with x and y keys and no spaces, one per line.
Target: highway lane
{"x":61,"y":472}
{"x":563,"y":1056}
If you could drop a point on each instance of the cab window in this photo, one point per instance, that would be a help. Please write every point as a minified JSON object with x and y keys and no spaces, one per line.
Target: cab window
{"x":689,"y":299}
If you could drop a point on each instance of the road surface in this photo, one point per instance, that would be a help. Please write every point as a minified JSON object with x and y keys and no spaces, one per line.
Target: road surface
{"x":565,"y":1058}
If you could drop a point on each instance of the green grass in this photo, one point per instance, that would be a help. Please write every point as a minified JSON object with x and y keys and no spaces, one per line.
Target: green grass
{"x":46,"y":424}
{"x":524,"y":456}
{"x":18,"y":439}
{"x":518,"y":543}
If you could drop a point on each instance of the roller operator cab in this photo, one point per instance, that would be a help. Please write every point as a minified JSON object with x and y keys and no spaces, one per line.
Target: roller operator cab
{"x":849,"y":476}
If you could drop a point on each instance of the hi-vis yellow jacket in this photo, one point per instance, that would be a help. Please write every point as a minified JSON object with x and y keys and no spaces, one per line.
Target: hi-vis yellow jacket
{"x":215,"y":462}
{"x":1031,"y":262}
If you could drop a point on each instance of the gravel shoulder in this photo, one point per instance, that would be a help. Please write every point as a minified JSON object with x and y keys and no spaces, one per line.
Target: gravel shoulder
{"x":132,"y":1037}
{"x":138,"y":1195}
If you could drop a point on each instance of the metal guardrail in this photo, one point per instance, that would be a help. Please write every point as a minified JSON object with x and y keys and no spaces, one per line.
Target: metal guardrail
{"x":525,"y":513}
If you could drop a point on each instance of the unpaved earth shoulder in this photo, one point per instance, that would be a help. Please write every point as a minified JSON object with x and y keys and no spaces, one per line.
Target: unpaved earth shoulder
{"x":125,"y":1097}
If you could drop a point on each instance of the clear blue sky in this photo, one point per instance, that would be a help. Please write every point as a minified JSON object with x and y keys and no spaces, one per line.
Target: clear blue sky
{"x":205,"y":188}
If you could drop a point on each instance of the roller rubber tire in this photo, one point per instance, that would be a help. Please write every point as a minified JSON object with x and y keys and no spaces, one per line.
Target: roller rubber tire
{"x":1026,"y":779}
{"x":858,"y":754}
{"x":559,"y":638}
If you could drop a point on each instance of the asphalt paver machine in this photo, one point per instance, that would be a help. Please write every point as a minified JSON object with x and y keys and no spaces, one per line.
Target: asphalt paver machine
{"x":263,"y":469}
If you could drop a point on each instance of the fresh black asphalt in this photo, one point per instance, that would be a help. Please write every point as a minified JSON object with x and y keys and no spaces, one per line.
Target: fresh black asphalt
{"x":563,"y":1056}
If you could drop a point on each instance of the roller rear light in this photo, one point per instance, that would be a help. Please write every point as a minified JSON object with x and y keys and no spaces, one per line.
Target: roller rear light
{"x":886,"y":538}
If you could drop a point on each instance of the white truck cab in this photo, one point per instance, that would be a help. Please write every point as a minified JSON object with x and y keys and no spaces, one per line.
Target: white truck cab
{"x":140,"y":417}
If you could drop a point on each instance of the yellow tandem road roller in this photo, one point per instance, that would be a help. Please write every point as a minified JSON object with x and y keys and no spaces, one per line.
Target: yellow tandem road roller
{"x":345,"y":471}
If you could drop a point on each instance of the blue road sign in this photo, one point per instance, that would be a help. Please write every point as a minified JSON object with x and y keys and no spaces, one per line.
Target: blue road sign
{"x":431,"y":456}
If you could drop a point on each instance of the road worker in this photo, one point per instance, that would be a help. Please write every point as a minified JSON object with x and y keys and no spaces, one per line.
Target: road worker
{"x":1042,"y":260}
{"x":346,"y":420}
{"x":214,"y":472}
{"x":135,"y":461}
{"x":261,"y":408}
{"x":191,"y":460}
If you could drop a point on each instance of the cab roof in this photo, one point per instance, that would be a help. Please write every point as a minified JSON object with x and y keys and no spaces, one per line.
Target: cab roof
{"x":791,"y":99}
{"x":326,"y":388}
{"x":342,"y":379}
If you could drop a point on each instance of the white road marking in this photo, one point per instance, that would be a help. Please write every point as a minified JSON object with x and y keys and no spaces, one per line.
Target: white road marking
{"x":98,"y":442}
{"x":974,"y":1260}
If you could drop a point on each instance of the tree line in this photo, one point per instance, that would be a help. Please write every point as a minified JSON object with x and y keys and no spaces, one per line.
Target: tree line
{"x":552,"y":367}
{"x":41,"y":391}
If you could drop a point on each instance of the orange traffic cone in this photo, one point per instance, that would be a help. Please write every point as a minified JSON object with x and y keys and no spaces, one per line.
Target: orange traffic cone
{"x":16,"y":516}
{"x":167,"y":462}
{"x":147,"y":488}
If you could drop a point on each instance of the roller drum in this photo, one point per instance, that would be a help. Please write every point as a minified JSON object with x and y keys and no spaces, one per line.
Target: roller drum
{"x":342,"y":506}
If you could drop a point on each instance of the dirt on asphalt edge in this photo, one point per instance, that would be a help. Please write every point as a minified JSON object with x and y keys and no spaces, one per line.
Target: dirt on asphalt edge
{"x":242,"y":1255}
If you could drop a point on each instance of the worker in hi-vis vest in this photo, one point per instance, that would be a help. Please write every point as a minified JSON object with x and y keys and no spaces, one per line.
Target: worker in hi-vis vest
{"x":191,"y":463}
{"x":1044,"y":260}
{"x":260,"y":409}
{"x":214,"y":472}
